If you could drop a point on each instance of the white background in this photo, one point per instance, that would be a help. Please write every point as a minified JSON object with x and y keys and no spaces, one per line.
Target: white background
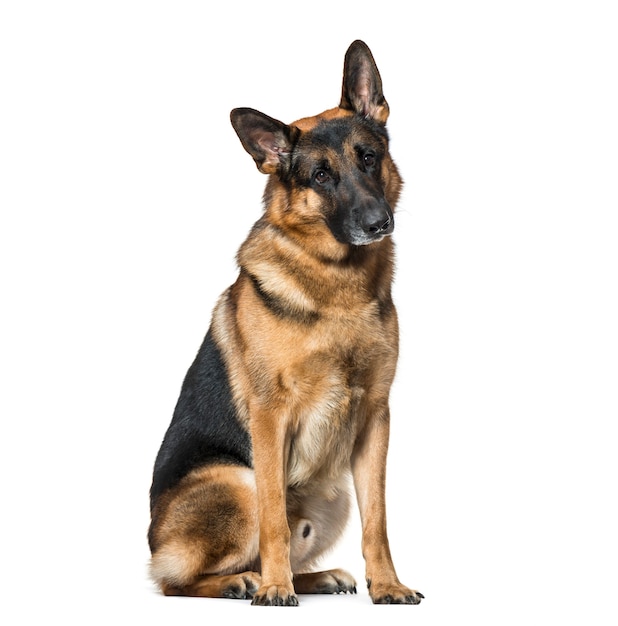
{"x":124,"y":195}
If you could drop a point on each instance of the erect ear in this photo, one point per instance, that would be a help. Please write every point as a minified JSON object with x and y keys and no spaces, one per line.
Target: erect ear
{"x":362,"y":85}
{"x":267,"y":140}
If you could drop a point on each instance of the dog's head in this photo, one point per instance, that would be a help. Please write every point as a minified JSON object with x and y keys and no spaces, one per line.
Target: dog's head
{"x":331,"y":174}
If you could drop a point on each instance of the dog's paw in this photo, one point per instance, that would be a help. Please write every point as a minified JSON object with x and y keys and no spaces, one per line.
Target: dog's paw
{"x":241,"y":586}
{"x":331,"y":581}
{"x":393,"y":594}
{"x":275,"y":595}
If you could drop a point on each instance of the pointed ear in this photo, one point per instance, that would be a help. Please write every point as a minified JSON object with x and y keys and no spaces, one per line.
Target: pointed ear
{"x":362,"y":85}
{"x":267,"y":140}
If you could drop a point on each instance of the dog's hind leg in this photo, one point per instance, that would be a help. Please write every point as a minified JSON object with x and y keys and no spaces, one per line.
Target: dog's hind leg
{"x":204,"y":535}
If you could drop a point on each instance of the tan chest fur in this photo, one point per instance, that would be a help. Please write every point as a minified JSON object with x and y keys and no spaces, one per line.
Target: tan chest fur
{"x":322,"y":383}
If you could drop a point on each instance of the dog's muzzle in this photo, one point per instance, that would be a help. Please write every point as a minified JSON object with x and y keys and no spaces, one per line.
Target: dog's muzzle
{"x":377,"y":221}
{"x":374,"y":222}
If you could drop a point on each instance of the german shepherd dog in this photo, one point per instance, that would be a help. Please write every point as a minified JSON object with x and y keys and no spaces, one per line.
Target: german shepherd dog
{"x":288,"y":396}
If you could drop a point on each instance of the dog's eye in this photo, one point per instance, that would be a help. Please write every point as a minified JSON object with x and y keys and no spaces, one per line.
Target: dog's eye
{"x":321,"y":176}
{"x":369,"y":159}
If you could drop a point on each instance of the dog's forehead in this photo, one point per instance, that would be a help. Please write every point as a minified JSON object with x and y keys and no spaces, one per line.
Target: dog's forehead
{"x":339,"y":135}
{"x":307,"y":123}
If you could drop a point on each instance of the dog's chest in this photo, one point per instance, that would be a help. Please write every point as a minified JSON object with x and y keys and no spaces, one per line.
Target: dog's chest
{"x":322,"y":370}
{"x":330,"y":400}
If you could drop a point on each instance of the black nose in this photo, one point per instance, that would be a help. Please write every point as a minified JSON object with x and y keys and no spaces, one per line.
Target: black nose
{"x":377,"y":220}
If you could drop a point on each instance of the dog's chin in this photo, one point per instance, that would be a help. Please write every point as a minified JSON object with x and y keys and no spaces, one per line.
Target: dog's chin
{"x":361,"y":238}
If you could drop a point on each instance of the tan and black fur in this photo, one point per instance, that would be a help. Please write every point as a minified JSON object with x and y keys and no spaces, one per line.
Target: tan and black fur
{"x":288,"y":396}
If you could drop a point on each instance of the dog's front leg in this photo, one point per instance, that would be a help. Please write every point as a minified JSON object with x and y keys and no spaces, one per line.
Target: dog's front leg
{"x":369,"y":472}
{"x":270,"y":457}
